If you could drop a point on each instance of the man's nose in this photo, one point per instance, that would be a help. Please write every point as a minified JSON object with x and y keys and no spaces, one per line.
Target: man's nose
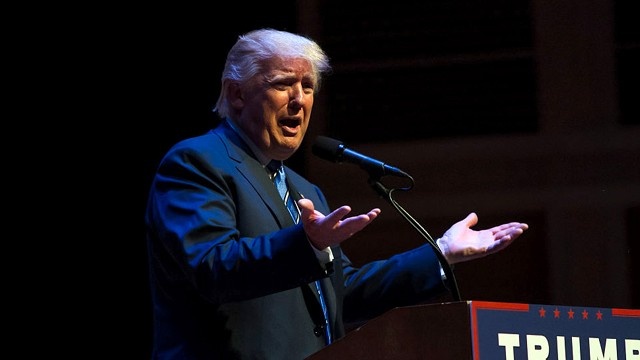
{"x":297,"y":95}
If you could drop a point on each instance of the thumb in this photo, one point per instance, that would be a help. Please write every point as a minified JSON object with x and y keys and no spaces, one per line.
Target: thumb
{"x":471,"y":220}
{"x":306,"y":207}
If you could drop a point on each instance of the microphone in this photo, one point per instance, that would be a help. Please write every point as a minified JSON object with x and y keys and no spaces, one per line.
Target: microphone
{"x":335,"y":151}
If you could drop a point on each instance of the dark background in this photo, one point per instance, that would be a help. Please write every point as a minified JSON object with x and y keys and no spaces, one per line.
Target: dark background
{"x":517,"y":110}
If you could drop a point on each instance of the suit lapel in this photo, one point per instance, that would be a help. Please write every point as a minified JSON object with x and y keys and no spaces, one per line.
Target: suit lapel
{"x":255,"y":174}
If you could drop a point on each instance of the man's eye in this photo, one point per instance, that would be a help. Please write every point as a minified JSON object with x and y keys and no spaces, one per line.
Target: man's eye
{"x":280,"y":85}
{"x":307,"y":87}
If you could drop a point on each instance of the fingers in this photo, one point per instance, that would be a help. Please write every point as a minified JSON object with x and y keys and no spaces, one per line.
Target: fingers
{"x":512,"y":229}
{"x":338,"y":214}
{"x":374,"y":213}
{"x":511,"y":225}
{"x":348,"y":227}
{"x":505,"y":236}
{"x":307,"y":207}
{"x":333,"y":228}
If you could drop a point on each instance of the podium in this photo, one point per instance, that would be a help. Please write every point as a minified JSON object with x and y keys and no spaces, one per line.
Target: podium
{"x":486,"y":330}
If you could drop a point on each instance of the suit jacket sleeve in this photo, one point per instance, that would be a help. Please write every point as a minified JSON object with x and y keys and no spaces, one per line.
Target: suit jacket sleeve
{"x":404,"y":279}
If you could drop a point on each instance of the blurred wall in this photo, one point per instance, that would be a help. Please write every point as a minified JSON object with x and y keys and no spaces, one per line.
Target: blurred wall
{"x":519,"y":111}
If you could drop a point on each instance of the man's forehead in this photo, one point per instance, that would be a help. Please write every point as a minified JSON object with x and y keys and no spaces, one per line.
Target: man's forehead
{"x":289,"y":65}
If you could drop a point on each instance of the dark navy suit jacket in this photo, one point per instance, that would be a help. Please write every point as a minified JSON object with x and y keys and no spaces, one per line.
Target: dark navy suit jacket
{"x":230,"y":272}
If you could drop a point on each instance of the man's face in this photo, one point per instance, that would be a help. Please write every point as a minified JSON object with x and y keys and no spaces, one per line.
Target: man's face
{"x":275,"y":107}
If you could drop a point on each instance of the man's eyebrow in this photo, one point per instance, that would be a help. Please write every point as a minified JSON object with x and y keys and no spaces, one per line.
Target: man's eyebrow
{"x":288,"y":76}
{"x":280,"y":76}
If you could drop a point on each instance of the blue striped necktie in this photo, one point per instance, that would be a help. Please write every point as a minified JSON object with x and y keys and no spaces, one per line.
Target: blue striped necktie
{"x":281,"y":184}
{"x":279,"y":179}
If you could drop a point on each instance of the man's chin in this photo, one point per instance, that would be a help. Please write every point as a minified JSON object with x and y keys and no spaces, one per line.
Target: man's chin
{"x":287,"y":148}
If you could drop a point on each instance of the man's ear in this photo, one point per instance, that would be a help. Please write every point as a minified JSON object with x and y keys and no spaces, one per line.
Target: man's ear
{"x":234,"y":93}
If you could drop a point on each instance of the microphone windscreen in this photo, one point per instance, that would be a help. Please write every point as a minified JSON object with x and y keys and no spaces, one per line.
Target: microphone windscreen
{"x":327,"y":148}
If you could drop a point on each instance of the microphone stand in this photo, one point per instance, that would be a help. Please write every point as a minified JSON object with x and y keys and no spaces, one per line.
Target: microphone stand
{"x":448,"y":270}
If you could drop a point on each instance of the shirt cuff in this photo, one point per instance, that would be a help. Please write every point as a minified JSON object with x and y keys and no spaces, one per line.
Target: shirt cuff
{"x":324,"y":256}
{"x":442,"y":274}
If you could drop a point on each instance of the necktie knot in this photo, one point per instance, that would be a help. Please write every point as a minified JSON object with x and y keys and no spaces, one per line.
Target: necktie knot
{"x":273,"y":167}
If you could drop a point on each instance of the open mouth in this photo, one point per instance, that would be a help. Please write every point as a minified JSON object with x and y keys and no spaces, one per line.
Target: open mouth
{"x":290,"y":122}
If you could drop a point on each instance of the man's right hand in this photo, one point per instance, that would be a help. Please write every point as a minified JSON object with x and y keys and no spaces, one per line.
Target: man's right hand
{"x":324,"y":231}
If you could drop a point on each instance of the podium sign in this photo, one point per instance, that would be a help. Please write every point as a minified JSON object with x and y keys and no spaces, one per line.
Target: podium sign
{"x":483,"y":330}
{"x":529,"y":331}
